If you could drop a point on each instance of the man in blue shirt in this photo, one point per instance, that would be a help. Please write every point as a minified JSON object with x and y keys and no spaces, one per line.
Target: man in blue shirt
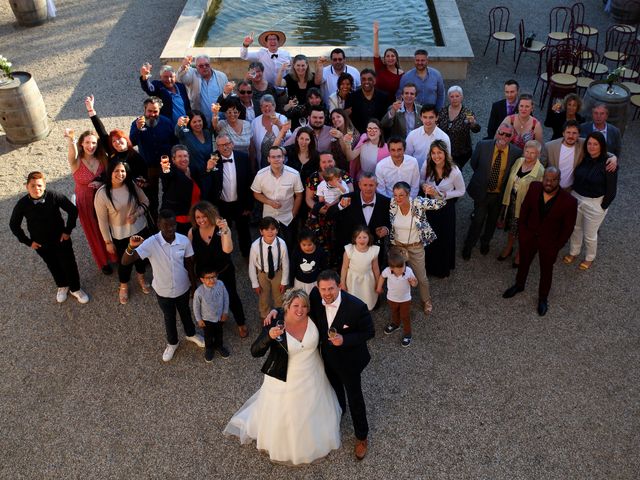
{"x":173,"y":94}
{"x":427,"y":80}
{"x":203,"y":83}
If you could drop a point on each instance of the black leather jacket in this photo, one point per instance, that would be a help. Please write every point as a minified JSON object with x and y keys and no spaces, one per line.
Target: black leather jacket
{"x":278,"y":359}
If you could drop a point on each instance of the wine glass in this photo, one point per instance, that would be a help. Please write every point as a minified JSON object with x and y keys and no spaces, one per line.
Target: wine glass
{"x":144,"y":123}
{"x":185,"y":122}
{"x":280,"y":326}
{"x":332,"y":333}
{"x":221,"y":223}
{"x":147,"y":65}
{"x":303,"y":122}
{"x":216,"y":157}
{"x":164,"y":163}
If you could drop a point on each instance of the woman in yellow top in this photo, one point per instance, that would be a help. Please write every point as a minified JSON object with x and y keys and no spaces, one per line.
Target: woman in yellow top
{"x":525,"y":170}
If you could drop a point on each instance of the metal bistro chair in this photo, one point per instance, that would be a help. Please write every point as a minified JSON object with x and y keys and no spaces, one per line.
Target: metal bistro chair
{"x":592,"y":68}
{"x":499,"y":31}
{"x":560,"y":24}
{"x":580,"y":29}
{"x":617,"y":40}
{"x":562,"y":67}
{"x":630,"y":76}
{"x":569,"y":43}
{"x":535,"y":47}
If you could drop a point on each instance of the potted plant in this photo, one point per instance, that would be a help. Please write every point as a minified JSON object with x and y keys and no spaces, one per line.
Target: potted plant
{"x":23,"y":115}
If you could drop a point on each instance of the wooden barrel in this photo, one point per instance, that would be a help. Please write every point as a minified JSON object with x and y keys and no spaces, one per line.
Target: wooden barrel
{"x":625,"y":11}
{"x":617,"y":102}
{"x":23,"y":115}
{"x":29,"y":13}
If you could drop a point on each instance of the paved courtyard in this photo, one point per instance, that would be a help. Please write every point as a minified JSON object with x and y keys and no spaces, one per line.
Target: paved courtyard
{"x":487,"y":389}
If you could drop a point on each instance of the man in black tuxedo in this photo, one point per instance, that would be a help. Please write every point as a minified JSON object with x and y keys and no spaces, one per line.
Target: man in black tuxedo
{"x":345,"y":355}
{"x":366,"y":208}
{"x":491,"y":162}
{"x":502,"y":108}
{"x":231,"y":189}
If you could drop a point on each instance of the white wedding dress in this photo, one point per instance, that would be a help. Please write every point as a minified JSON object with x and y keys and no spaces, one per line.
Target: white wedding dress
{"x":297,"y":421}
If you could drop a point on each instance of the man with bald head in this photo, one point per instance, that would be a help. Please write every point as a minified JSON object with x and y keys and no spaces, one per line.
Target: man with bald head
{"x":203,"y":83}
{"x":547,"y":217}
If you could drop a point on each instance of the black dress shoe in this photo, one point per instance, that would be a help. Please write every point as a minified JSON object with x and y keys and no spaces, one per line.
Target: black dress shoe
{"x":512,"y":291}
{"x":466,"y":254}
{"x":543,"y":306}
{"x":484,"y":249}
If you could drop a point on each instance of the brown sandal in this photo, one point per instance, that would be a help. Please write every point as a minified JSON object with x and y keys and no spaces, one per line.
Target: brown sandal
{"x":144,"y":286}
{"x":586,"y":265}
{"x":123,"y":294}
{"x":568,"y":259}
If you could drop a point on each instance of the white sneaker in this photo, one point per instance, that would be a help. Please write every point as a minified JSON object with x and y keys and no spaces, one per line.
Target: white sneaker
{"x":197,"y":339}
{"x":168,"y":352}
{"x":61,"y":296}
{"x":80,"y":295}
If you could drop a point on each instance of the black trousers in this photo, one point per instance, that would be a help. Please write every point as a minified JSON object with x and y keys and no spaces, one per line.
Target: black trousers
{"x":485,"y":213}
{"x":212,"y":336}
{"x":61,"y":262}
{"x":228,"y":277}
{"x":349,"y":383}
{"x":169,"y":306}
{"x":232,"y":213}
{"x":124,"y":271}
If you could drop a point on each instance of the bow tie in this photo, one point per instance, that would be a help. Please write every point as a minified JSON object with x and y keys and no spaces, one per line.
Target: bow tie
{"x":365,"y":205}
{"x":227,"y":160}
{"x":274,"y":55}
{"x":37,"y":201}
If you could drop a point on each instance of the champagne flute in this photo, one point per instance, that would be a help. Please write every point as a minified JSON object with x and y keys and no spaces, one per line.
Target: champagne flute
{"x":332,"y":333}
{"x":216,"y":158}
{"x":221,"y":223}
{"x":164,"y":163}
{"x":303,"y":122}
{"x":144,"y":123}
{"x":147,"y":65}
{"x":280,"y":326}
{"x":185,"y":122}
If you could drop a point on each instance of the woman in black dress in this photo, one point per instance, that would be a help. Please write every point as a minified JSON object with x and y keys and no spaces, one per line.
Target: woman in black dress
{"x":298,"y":81}
{"x":212,"y":246}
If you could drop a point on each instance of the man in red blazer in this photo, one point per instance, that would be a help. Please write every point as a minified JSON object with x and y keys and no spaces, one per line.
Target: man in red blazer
{"x":547,"y":217}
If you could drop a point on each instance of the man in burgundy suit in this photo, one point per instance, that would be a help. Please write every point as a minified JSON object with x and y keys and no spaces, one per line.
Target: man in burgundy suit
{"x":547,"y":218}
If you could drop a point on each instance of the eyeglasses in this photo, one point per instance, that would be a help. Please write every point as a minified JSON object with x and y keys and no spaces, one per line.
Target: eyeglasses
{"x":203,"y":65}
{"x":244,"y":92}
{"x":505,"y":134}
{"x":227,"y":144}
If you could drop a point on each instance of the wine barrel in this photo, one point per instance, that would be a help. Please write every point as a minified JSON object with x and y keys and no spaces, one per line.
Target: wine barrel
{"x":625,"y":11}
{"x":617,"y":102}
{"x":23,"y":115}
{"x":29,"y":13}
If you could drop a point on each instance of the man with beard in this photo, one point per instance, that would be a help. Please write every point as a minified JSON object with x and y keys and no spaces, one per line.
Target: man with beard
{"x":547,"y":217}
{"x":203,"y":83}
{"x":175,"y":101}
{"x":153,"y":135}
{"x":320,"y":130}
{"x":427,"y":80}
{"x":366,"y":102}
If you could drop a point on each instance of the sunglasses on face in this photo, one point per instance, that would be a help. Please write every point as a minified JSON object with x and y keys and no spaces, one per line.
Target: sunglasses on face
{"x":505,"y":134}
{"x":244,"y":92}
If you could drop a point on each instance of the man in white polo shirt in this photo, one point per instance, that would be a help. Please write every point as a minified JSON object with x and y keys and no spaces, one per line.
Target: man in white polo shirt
{"x":397,"y":167}
{"x":171,"y":257}
{"x":279,"y":189}
{"x":420,"y":139}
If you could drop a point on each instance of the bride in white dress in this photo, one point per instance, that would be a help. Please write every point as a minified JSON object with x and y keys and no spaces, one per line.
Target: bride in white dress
{"x":295,"y":416}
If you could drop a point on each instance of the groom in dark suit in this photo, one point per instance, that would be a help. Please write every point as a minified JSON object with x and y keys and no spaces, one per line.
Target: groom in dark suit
{"x":346,"y":354}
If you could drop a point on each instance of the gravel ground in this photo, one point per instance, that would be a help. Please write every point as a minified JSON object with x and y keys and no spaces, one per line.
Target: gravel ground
{"x":487,"y":389}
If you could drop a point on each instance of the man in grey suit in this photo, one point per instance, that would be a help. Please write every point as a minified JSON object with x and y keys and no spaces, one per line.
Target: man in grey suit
{"x":403,"y":115}
{"x":491,"y":162}
{"x":600,"y":115}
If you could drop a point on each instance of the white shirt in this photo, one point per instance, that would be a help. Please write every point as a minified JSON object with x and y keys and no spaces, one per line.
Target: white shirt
{"x":331,"y":309}
{"x":258,"y":133}
{"x":451,"y":186}
{"x":565,"y":164}
{"x":255,"y":260}
{"x":418,"y":143}
{"x":229,"y":181}
{"x":389,"y":174}
{"x":271,"y":65}
{"x":170,"y":277}
{"x":329,"y":193}
{"x":368,"y":157}
{"x":330,"y":80}
{"x":398,"y":288}
{"x":368,"y":211}
{"x":281,"y":189}
{"x":405,"y":229}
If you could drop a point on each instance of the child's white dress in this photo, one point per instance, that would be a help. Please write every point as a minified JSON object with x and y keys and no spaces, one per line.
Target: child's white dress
{"x":360,"y":280}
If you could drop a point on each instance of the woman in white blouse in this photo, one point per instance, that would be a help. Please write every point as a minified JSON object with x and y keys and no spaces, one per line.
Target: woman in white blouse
{"x":442,"y":179}
{"x":265,"y":129}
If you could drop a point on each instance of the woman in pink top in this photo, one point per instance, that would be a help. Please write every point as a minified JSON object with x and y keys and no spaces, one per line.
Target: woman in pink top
{"x":368,"y":152}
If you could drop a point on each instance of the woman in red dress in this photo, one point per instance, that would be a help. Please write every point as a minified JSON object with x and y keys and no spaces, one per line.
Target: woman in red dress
{"x":88,"y":161}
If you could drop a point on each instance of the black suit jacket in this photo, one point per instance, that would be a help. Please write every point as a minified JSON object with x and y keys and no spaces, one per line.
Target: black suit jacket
{"x":349,"y":218}
{"x":498,"y":113}
{"x":244,"y":179}
{"x":481,"y":164}
{"x":552,"y":231}
{"x":352,"y":321}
